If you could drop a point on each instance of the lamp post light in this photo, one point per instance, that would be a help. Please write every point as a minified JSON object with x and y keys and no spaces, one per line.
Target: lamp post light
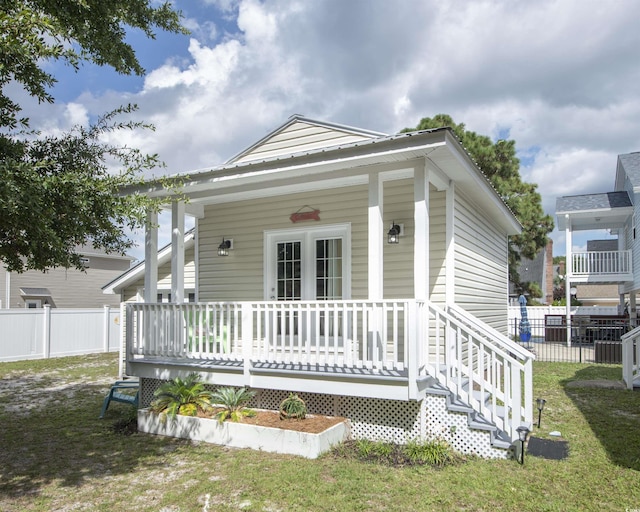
{"x":523,"y":432}
{"x":540,"y":403}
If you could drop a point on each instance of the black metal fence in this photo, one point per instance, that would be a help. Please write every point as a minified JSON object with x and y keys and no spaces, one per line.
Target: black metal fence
{"x":592,"y":340}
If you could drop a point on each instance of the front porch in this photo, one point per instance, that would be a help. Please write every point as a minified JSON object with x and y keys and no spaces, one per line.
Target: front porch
{"x":392,"y":349}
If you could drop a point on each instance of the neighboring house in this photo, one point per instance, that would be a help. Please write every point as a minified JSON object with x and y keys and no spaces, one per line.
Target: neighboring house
{"x":618,"y":212}
{"x":64,"y":288}
{"x":365,"y":271}
{"x":129,"y":286}
{"x":615,"y":261}
{"x":540,"y":271}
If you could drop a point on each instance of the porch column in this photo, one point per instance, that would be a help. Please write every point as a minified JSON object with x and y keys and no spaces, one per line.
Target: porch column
{"x":568,"y":271}
{"x":177,"y":252}
{"x":375,"y":238}
{"x":421,"y":243}
{"x":449,"y":271}
{"x":151,"y":257}
{"x":633,"y":312}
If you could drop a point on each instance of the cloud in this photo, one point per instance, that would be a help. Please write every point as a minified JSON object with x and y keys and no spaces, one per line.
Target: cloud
{"x":558,"y":77}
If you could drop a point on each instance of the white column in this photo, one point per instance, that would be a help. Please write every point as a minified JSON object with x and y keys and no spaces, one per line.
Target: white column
{"x":449,"y":270}
{"x":151,"y":257}
{"x":633,"y":313}
{"x":177,"y":252}
{"x":568,"y":270}
{"x":421,"y":243}
{"x":375,"y":238}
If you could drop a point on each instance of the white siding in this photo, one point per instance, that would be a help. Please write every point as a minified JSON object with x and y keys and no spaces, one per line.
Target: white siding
{"x":481,"y":265}
{"x":298,"y":137}
{"x":398,"y":259}
{"x":239,"y":276}
{"x":71,"y":288}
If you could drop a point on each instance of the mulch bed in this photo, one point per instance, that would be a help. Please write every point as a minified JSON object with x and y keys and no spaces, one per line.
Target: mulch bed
{"x":311,"y":424}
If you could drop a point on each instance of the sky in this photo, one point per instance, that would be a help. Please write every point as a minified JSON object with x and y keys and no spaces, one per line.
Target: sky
{"x":561,"y":78}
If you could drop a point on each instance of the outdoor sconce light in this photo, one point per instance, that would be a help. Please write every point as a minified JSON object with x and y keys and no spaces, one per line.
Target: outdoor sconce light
{"x":523,"y":432}
{"x":393,"y":236}
{"x":540,"y":403}
{"x":223,"y":248}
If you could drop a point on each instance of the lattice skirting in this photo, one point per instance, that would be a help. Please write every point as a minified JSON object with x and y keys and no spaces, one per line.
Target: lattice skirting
{"x":386,"y":420}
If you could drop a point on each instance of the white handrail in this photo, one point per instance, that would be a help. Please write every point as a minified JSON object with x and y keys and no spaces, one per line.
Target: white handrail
{"x":485,"y":369}
{"x":631,"y":357}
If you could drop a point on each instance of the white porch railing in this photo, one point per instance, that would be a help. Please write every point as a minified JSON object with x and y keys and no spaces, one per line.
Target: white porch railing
{"x":601,"y":263}
{"x":486,"y":370}
{"x":413,"y":339}
{"x":359,"y":334}
{"x":631,"y":357}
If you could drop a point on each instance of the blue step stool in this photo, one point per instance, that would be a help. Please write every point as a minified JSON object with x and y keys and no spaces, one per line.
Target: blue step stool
{"x":116,"y":394}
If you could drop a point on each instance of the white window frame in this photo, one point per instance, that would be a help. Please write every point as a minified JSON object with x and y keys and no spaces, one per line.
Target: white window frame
{"x":307,"y":236}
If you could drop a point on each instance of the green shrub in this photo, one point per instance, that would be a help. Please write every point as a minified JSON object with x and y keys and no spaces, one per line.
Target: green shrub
{"x":233,"y":402}
{"x":435,"y":453}
{"x":181,"y":396}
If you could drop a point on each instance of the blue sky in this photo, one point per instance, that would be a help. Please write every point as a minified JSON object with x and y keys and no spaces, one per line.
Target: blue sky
{"x":559,"y":77}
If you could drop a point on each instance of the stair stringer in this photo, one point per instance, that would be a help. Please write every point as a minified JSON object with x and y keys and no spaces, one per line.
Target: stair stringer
{"x":475,"y":427}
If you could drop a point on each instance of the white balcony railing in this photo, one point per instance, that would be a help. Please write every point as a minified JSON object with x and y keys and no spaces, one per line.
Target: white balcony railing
{"x":601,"y":263}
{"x":411,"y":339}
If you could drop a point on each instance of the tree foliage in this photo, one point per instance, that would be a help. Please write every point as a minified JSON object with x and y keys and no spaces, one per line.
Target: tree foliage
{"x":498,"y":161}
{"x":33,"y":32}
{"x":58,"y":192}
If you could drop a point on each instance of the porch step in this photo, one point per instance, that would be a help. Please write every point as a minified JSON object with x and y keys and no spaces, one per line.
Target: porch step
{"x":475,"y":420}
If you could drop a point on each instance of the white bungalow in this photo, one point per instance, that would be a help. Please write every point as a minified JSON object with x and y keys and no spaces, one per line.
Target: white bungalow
{"x":367,"y":272}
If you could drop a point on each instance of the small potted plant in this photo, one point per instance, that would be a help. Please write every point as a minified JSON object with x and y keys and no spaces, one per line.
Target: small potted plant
{"x":293,"y":407}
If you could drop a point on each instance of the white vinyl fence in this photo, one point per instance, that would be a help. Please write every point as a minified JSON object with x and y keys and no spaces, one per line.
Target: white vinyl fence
{"x":52,"y":332}
{"x":539,"y":312}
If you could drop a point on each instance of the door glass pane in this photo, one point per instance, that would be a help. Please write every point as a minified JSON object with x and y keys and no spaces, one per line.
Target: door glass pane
{"x":329,"y":269}
{"x":289,"y":271}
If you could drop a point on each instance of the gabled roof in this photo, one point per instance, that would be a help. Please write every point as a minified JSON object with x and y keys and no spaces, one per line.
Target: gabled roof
{"x":299,"y":133}
{"x":137,"y":271}
{"x":341,"y":161}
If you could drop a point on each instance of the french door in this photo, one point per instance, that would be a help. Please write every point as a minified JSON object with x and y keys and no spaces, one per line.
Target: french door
{"x":310,"y":264}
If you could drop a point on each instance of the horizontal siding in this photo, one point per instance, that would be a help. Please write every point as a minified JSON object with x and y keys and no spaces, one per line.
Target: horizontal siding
{"x":70,"y":288}
{"x":299,"y":137}
{"x":240,"y":275}
{"x":481,"y":268}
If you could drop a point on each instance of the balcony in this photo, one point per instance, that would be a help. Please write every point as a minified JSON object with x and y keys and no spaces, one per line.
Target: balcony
{"x":601,"y":267}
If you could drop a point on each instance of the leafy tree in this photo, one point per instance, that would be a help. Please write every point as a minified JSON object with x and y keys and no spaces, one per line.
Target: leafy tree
{"x":57,"y":192}
{"x":498,"y":161}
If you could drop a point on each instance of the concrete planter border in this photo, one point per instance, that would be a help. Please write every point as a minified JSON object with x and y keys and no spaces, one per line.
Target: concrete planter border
{"x":240,"y":435}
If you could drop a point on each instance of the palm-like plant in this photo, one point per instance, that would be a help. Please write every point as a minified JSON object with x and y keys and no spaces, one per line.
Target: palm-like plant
{"x":233,"y":402}
{"x":181,"y":396}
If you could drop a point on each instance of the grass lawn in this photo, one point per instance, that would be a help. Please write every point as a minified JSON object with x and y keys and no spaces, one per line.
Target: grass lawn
{"x":56,"y":455}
